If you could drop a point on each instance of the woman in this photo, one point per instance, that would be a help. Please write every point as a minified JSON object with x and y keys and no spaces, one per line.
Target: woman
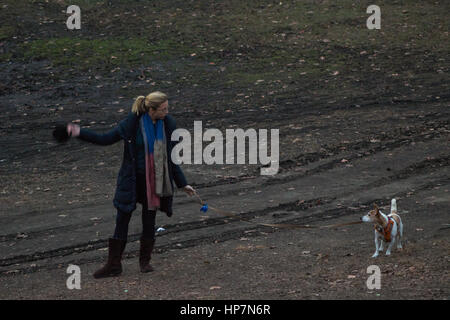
{"x":146,"y":175}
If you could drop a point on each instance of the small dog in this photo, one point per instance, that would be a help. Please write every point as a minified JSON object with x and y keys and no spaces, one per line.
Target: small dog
{"x":388,"y":228}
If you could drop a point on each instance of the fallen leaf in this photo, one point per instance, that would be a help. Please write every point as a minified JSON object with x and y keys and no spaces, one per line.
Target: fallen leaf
{"x":215,"y":287}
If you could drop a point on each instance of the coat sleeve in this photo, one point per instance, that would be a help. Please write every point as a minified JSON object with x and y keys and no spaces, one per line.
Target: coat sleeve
{"x":104,"y":139}
{"x":178,"y":175}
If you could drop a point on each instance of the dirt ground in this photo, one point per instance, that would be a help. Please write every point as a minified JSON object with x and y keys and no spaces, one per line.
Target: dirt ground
{"x":363,"y":117}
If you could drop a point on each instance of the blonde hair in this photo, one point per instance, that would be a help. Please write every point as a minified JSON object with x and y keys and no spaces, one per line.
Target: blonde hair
{"x":153,"y":100}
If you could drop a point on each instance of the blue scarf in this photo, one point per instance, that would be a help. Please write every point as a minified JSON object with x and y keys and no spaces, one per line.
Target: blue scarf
{"x":156,"y":162}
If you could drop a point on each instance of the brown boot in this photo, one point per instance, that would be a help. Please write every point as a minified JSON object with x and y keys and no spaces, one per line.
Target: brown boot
{"x":145,"y":254}
{"x":113,"y":267}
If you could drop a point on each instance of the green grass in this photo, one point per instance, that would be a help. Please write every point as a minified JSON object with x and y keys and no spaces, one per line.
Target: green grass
{"x":99,"y":52}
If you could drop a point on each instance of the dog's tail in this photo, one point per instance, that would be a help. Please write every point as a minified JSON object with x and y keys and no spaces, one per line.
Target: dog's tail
{"x":393,"y":206}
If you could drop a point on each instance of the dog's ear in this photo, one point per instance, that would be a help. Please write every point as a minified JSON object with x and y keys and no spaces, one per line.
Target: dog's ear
{"x":376,"y":209}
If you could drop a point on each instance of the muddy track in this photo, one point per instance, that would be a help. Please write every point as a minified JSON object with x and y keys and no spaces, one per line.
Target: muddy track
{"x":427,"y":165}
{"x":290,"y":106}
{"x":174,"y":228}
{"x":11,"y":148}
{"x":224,"y":236}
{"x":352,"y":151}
{"x":364,"y":148}
{"x":360,"y":149}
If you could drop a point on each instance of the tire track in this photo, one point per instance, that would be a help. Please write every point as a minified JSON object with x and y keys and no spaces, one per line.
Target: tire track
{"x":175,"y":228}
{"x":330,"y":214}
{"x":427,"y":165}
{"x":357,"y":150}
{"x":364,"y":148}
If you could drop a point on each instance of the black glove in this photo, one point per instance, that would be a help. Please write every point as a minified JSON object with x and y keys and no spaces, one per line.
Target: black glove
{"x":60,"y":133}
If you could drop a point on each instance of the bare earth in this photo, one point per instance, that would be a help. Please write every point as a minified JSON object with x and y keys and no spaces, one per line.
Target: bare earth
{"x":345,"y":145}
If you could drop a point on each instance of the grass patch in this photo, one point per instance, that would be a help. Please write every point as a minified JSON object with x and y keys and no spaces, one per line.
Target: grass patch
{"x":101,"y":53}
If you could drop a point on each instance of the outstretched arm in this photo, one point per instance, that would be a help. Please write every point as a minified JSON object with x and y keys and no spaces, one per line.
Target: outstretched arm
{"x":105,"y":139}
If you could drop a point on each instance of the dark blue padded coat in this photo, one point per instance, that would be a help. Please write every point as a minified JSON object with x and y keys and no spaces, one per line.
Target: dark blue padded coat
{"x":125,"y":195}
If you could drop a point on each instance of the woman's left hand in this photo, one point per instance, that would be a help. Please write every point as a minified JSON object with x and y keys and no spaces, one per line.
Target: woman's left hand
{"x":189,"y":190}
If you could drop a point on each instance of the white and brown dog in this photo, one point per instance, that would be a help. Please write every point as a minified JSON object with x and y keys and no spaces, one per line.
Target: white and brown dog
{"x":388,"y":228}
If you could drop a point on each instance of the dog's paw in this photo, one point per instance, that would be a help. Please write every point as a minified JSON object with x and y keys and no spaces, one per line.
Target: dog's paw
{"x":388,"y":253}
{"x":375,"y":255}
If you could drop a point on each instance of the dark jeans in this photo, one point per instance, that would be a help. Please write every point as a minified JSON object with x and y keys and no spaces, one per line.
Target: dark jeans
{"x":148,"y":216}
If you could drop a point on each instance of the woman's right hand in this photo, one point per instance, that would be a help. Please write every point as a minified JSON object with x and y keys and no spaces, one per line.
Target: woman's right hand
{"x":73,"y":130}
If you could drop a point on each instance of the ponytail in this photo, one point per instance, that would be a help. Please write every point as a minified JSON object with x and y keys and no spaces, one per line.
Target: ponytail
{"x":139,"y":106}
